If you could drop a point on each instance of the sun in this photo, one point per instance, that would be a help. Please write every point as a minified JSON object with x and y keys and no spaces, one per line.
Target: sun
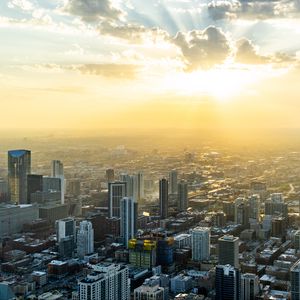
{"x":221,"y":83}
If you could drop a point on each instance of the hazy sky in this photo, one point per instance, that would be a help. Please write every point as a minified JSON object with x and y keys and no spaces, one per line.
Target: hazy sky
{"x":149,"y":63}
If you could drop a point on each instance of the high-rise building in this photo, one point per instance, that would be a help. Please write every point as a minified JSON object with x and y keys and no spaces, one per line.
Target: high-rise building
{"x":229,"y":250}
{"x":296,"y":240}
{"x":163,"y":198}
{"x":242,"y":214}
{"x":182,"y":196}
{"x":110,"y":175}
{"x":254,"y":203}
{"x":227,"y":283}
{"x":74,"y":187}
{"x":200,"y":243}
{"x":149,"y":290}
{"x":173,"y":180}
{"x":238,"y":201}
{"x":275,"y":205}
{"x":106,"y":282}
{"x":142,"y":253}
{"x":129,"y":179}
{"x":51,"y":184}
{"x":57,"y":171}
{"x":249,"y":286}
{"x":116,"y":191}
{"x":165,"y":252}
{"x":128,"y":219}
{"x":19,"y":166}
{"x":138,"y":187}
{"x":66,"y":234}
{"x":64,"y":228}
{"x":295,"y":281}
{"x":85,"y":239}
{"x":3,"y":191}
{"x":34,"y":184}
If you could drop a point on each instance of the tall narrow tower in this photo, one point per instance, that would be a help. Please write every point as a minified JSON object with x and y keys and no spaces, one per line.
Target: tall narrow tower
{"x":163,"y":198}
{"x":19,"y":166}
{"x":57,"y":171}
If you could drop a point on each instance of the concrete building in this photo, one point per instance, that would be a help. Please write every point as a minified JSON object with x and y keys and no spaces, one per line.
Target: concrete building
{"x":13,"y":217}
{"x":163,"y":198}
{"x":295,"y":281}
{"x":181,"y":284}
{"x":57,"y":171}
{"x":249,"y":286}
{"x":200,"y":243}
{"x":182,"y":196}
{"x":229,"y":250}
{"x":85,"y":239}
{"x":173,"y":180}
{"x":227,"y":283}
{"x":106,"y":282}
{"x":150,"y":290}
{"x":116,"y":192}
{"x":128,"y":219}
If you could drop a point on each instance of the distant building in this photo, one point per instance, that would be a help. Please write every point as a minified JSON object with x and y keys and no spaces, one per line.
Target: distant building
{"x":297,"y":240}
{"x":275,"y":205}
{"x":74,"y":187}
{"x":116,"y":191}
{"x":182,"y":196}
{"x":227,"y":283}
{"x":254,"y":203}
{"x":13,"y":217}
{"x":85,"y":239}
{"x":229,"y":250}
{"x":58,"y":172}
{"x":200,"y":243}
{"x":19,"y":166}
{"x":173,"y":180}
{"x":110,"y":175}
{"x":34,"y":184}
{"x":163,"y":198}
{"x":128,"y":219}
{"x":106,"y":282}
{"x":249,"y":286}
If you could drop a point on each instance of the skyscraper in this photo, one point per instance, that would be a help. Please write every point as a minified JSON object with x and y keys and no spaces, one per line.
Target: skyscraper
{"x":249,"y":286}
{"x":163,"y":198}
{"x":229,"y":250}
{"x":173,"y":175}
{"x":200,"y":243}
{"x":254,"y":202}
{"x":110,"y":175}
{"x":295,"y":281}
{"x":19,"y":166}
{"x":65,"y":235}
{"x":128,"y":222}
{"x":34,"y":184}
{"x":227,"y":283}
{"x":85,"y":239}
{"x":106,"y":282}
{"x":57,"y":171}
{"x":182,"y":196}
{"x":116,"y":192}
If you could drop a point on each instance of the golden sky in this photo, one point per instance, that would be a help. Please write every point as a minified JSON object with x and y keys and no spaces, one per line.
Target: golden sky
{"x":149,"y":64}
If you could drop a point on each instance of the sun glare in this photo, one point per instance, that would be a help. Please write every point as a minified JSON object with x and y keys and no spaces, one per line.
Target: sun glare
{"x":222,"y":83}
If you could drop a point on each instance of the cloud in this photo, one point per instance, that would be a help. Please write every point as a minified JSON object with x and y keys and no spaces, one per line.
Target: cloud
{"x":123,"y":71}
{"x":247,"y":53}
{"x":93,"y":10}
{"x":133,"y":33}
{"x":203,"y":48}
{"x":23,"y":5}
{"x":256,"y":9}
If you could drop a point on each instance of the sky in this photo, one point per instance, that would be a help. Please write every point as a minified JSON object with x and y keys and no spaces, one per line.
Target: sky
{"x":96,"y":64}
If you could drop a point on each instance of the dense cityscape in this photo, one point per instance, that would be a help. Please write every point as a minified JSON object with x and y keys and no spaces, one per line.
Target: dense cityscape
{"x":125,"y":222}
